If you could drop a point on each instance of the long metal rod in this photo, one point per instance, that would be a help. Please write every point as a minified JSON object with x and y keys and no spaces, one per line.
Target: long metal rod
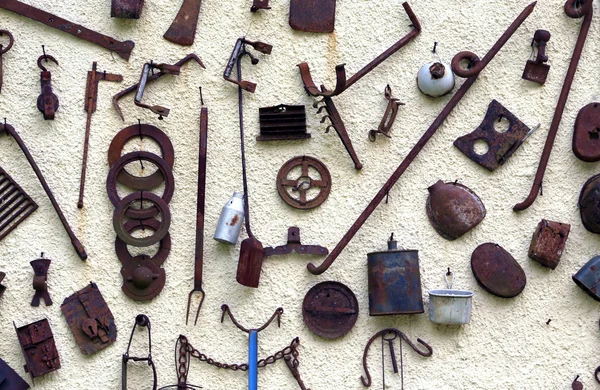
{"x":86,"y":145}
{"x":317,"y":270}
{"x":587,"y":11}
{"x":243,"y":149}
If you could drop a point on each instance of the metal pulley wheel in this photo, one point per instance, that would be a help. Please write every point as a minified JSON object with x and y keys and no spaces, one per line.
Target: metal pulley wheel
{"x":134,"y":225}
{"x":303,"y":183}
{"x":121,"y":211}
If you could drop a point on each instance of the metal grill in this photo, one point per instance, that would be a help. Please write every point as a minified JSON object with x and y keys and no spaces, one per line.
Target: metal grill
{"x":15,"y":204}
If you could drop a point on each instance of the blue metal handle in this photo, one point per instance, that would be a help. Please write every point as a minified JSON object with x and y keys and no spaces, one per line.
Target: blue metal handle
{"x":253,"y":361}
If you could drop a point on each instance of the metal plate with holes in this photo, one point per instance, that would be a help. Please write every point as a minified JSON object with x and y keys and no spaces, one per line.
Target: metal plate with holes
{"x":330,"y":309}
{"x":303,"y":183}
{"x":15,"y":204}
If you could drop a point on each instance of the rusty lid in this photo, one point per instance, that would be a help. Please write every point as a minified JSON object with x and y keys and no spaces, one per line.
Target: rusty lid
{"x":330,"y":309}
{"x":588,"y":204}
{"x":497,"y":271}
{"x":586,"y":137}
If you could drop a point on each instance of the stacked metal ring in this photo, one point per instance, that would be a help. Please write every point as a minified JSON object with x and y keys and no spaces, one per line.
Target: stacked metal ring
{"x":143,"y":278}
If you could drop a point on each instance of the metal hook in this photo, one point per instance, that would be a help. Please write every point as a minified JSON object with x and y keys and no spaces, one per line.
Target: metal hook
{"x":46,"y":57}
{"x":277,"y":314}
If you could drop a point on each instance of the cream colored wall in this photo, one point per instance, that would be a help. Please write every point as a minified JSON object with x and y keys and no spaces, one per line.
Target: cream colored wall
{"x":507,"y":345}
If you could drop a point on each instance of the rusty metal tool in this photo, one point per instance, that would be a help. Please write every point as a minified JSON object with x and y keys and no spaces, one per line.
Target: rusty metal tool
{"x":127,"y":9}
{"x":123,"y":49}
{"x":294,"y":245}
{"x":183,"y":29}
{"x":548,"y":242}
{"x":15,"y":204}
{"x":142,"y":321}
{"x":91,"y":98}
{"x":47,"y":102}
{"x":199,"y":251}
{"x":9,"y":130}
{"x":38,"y":347}
{"x":316,"y":16}
{"x":574,"y":9}
{"x":240,"y":50}
{"x":401,"y":336}
{"x":40,"y":270}
{"x":537,"y":70}
{"x":282,"y":123}
{"x":259,"y":4}
{"x":384,"y":191}
{"x":253,"y":343}
{"x":149,"y":67}
{"x":3,"y":50}
{"x":155,"y":76}
{"x":385,"y":126}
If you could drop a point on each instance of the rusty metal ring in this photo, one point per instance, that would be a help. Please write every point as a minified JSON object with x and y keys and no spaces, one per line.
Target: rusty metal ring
{"x":473,"y":59}
{"x":142,"y":279}
{"x":11,"y":41}
{"x":300,"y":186}
{"x":128,"y":133}
{"x":120,"y":212}
{"x":163,"y":167}
{"x":135,"y":225}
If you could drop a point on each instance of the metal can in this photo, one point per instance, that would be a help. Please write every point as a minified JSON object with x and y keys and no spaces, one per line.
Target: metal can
{"x":231,"y":220}
{"x":394,"y":281}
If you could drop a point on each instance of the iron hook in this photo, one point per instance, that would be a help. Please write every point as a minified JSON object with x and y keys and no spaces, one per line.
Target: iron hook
{"x":45,"y":57}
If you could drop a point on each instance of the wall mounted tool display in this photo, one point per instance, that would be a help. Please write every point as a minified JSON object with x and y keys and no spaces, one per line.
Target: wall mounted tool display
{"x":142,"y":321}
{"x":127,"y":9}
{"x":9,"y":130}
{"x":15,"y":204}
{"x":548,"y":242}
{"x":317,"y":16}
{"x":574,"y":9}
{"x":586,"y":137}
{"x":91,"y":98}
{"x":89,"y":319}
{"x":38,"y":347}
{"x":391,"y":111}
{"x":303,"y":184}
{"x":449,"y":306}
{"x":183,"y":29}
{"x":497,"y":271}
{"x":9,"y":379}
{"x":40,"y":270}
{"x":122,"y":49}
{"x":537,"y":70}
{"x":3,"y":50}
{"x":385,"y":336}
{"x":330,"y":309}
{"x":294,"y":245}
{"x":500,"y":145}
{"x":282,"y":123}
{"x":471,"y":75}
{"x":47,"y":102}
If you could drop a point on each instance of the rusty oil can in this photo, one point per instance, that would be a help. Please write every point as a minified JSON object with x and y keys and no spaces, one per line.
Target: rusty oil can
{"x":394,"y":281}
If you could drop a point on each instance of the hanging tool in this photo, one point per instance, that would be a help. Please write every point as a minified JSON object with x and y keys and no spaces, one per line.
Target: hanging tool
{"x":384,"y":191}
{"x":47,"y":102}
{"x":151,"y":78}
{"x":253,"y":343}
{"x":199,"y":252}
{"x":239,"y":50}
{"x":123,"y":49}
{"x":537,"y":70}
{"x":574,"y":9}
{"x":142,"y":321}
{"x":294,"y":245}
{"x":385,"y":126}
{"x":149,"y":67}
{"x":91,"y":98}
{"x":15,"y":204}
{"x":397,"y":334}
{"x":9,"y":130}
{"x":3,"y":50}
{"x":40,"y":270}
{"x":316,"y":16}
{"x":183,"y":29}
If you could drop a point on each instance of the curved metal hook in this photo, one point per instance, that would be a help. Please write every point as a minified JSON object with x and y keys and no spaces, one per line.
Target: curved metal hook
{"x":277,"y":314}
{"x":578,"y":8}
{"x":311,"y":88}
{"x":11,"y":41}
{"x":45,"y":57}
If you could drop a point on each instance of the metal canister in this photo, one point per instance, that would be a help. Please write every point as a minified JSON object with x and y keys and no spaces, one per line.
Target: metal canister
{"x":231,"y":220}
{"x":448,"y":306}
{"x":394,"y":281}
{"x":588,"y":278}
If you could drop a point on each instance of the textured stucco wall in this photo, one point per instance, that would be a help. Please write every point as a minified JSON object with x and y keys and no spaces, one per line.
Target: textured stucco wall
{"x":507,"y":345}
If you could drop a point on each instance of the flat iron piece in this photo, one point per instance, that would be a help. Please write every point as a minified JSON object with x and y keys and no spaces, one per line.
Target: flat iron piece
{"x":38,"y":347}
{"x":497,"y":271}
{"x":537,"y":70}
{"x":586,"y":137}
{"x":317,"y":16}
{"x":294,"y":245}
{"x":89,"y":319}
{"x":500,"y":145}
{"x":183,"y":29}
{"x":164,"y":245}
{"x":40,"y":269}
{"x":330,"y":309}
{"x":121,"y":211}
{"x":15,"y":204}
{"x":548,"y":242}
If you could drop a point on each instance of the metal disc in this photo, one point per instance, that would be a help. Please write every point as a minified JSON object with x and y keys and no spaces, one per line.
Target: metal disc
{"x":330,"y":309}
{"x":121,"y":211}
{"x":134,"y":225}
{"x":302,"y":186}
{"x":497,"y":271}
{"x":142,"y":279}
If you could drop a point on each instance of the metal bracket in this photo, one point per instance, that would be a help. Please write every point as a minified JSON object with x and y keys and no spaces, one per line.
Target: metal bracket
{"x":47,"y":102}
{"x":385,"y":126}
{"x":40,"y":269}
{"x":294,"y":245}
{"x":149,"y":67}
{"x":238,"y":51}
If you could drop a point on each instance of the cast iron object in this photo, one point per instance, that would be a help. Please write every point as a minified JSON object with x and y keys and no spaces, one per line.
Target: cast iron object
{"x":500,"y":145}
{"x":183,"y":29}
{"x":338,"y":125}
{"x":9,"y":379}
{"x":330,"y":309}
{"x":294,"y":245}
{"x":151,"y":78}
{"x":146,"y":70}
{"x":385,"y":190}
{"x":259,"y":4}
{"x":586,"y":138}
{"x":239,"y":50}
{"x":282,"y":123}
{"x":576,"y":385}
{"x":537,"y":70}
{"x":39,"y":350}
{"x":301,"y":186}
{"x":123,"y":49}
{"x":573,"y":9}
{"x":3,"y":50}
{"x":127,"y":9}
{"x":140,"y":130}
{"x":385,"y":126}
{"x":396,"y":334}
{"x":89,"y":319}
{"x":8,"y":129}
{"x":394,"y":281}
{"x":200,"y":205}
{"x":2,"y":287}
{"x":40,"y":270}
{"x":548,"y":242}
{"x":47,"y":102}
{"x":164,"y":245}
{"x":121,"y":211}
{"x":142,"y":278}
{"x":453,"y":209}
{"x":15,"y":204}
{"x":589,"y":204}
{"x":316,"y":16}
{"x":91,"y":98}
{"x":588,"y":278}
{"x":497,"y":271}
{"x":142,"y":321}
